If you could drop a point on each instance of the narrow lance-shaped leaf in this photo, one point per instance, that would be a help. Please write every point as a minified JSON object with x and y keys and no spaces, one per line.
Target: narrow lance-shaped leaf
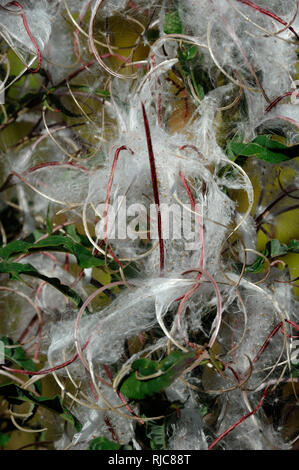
{"x":265,"y":148}
{"x":16,"y":269}
{"x":168,"y":370}
{"x":293,"y":246}
{"x":173,"y":23}
{"x":273,"y":249}
{"x":18,"y":357}
{"x":16,"y":395}
{"x":62,"y":243}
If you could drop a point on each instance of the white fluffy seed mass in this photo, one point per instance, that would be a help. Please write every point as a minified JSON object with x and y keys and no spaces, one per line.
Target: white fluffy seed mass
{"x":191,"y":290}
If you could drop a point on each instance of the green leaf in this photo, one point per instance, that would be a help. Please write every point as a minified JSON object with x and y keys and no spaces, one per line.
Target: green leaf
{"x":269,"y":142}
{"x":71,"y":418}
{"x":293,"y":246}
{"x":15,"y":269}
{"x":255,"y":150}
{"x":16,"y":395}
{"x":170,"y":369}
{"x":72,"y":232}
{"x":189,"y":53}
{"x":145,"y":366}
{"x":152,"y":34}
{"x":264,"y":148}
{"x":101,"y":443}
{"x":101,"y":93}
{"x":273,"y":249}
{"x":276,"y":248}
{"x":85,"y":258}
{"x":157,"y":435}
{"x":4,"y":439}
{"x":255,"y":267}
{"x":56,"y":102}
{"x":18,"y":356}
{"x":204,"y":410}
{"x":173,"y":23}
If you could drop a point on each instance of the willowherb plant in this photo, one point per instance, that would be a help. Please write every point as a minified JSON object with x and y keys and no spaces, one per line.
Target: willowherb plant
{"x":149,"y":257}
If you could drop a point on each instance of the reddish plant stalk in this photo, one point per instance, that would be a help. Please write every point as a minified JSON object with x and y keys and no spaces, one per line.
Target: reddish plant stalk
{"x":45,"y":253}
{"x":278,"y":99}
{"x":233,"y":426}
{"x":32,"y":38}
{"x":39,"y":289}
{"x":236,"y":375}
{"x":262,"y":349}
{"x":79,"y":277}
{"x":219,"y":302}
{"x":64,"y":164}
{"x":192,"y":147}
{"x":108,"y":372}
{"x":154,"y":184}
{"x":107,"y":200}
{"x":273,"y":333}
{"x":66,"y":265}
{"x":268,"y":13}
{"x":121,"y":397}
{"x":75,"y":73}
{"x":7,"y":184}
{"x":239,"y":45}
{"x":47,"y":371}
{"x":111,"y":429}
{"x":294,"y":325}
{"x":124,"y":401}
{"x":94,"y":393}
{"x":52,"y":258}
{"x":27,"y":329}
{"x":193,"y":203}
{"x":180,"y":89}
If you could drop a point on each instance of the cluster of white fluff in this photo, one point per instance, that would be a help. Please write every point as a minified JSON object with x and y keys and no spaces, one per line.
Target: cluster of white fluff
{"x":40,"y":17}
{"x":235,"y":43}
{"x":230,"y":43}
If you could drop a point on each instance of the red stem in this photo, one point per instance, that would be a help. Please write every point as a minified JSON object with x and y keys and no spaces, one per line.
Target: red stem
{"x":27,"y":329}
{"x":45,"y":164}
{"x":273,"y":333}
{"x":121,"y":397}
{"x":107,"y":200}
{"x":111,"y":429}
{"x":193,"y":203}
{"x":262,"y":349}
{"x":94,"y":393}
{"x":154,"y":184}
{"x":268,"y":13}
{"x":225,"y":433}
{"x":66,"y":265}
{"x":39,"y":55}
{"x":47,"y":371}
{"x":277,"y":100}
